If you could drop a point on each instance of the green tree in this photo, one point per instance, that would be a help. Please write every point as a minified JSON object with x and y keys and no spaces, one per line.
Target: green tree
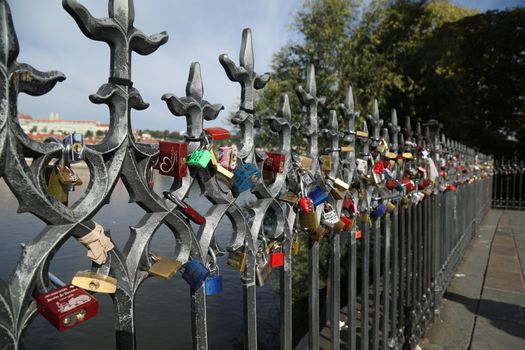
{"x":88,"y":134}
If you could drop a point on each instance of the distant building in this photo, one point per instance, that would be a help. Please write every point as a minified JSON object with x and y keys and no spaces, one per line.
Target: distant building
{"x":54,"y":125}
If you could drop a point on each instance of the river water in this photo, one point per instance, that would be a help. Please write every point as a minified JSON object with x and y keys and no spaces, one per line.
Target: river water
{"x":162,"y":308}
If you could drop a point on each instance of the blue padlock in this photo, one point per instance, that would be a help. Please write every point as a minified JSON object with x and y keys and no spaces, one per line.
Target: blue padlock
{"x":379,"y":211}
{"x":246,"y":176}
{"x":213,"y":285}
{"x":318,"y":196}
{"x":195,"y":274}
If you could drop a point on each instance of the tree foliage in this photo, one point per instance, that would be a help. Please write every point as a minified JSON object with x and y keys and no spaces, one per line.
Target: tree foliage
{"x":427,"y":59}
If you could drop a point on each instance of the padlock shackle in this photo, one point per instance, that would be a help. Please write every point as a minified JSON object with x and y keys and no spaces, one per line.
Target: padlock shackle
{"x":171,"y":197}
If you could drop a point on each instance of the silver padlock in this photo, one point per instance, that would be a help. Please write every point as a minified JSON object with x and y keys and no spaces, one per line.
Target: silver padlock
{"x":330,"y":217}
{"x":361,"y":165}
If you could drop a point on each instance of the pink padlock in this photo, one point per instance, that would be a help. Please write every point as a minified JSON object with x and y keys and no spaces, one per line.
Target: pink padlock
{"x":228,"y":157}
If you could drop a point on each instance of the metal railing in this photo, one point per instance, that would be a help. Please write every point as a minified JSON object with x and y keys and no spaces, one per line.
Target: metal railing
{"x":508,"y":185}
{"x":402,"y":263}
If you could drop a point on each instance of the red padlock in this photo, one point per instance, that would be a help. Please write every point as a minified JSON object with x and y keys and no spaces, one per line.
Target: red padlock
{"x":217,"y":133}
{"x":451,"y":187}
{"x":442,"y":173}
{"x":358,"y":234}
{"x":67,"y":306}
{"x":409,"y":184}
{"x":276,"y":258}
{"x":348,"y":203}
{"x":347,"y":221}
{"x":392,"y":184}
{"x":306,"y":204}
{"x":425,"y":183}
{"x":379,"y":167}
{"x":274,"y":162}
{"x":173,"y":158}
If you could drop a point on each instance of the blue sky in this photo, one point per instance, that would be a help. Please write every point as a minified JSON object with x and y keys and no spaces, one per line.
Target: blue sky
{"x":200,"y":30}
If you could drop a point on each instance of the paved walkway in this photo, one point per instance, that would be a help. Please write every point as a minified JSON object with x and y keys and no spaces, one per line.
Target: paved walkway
{"x":484,"y":307}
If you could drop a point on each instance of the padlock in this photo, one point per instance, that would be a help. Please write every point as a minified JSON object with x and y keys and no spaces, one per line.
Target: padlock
{"x":336,"y":193}
{"x":407,"y":156}
{"x":228,"y":157}
{"x":274,"y":162}
{"x":390,"y":155}
{"x":246,"y":176}
{"x":361,"y":134}
{"x":305,"y":162}
{"x":306,"y":178}
{"x":347,"y":149}
{"x":340,"y":184}
{"x":424,"y":184}
{"x":363,"y":217}
{"x":308,"y":220}
{"x":329,"y":217}
{"x":67,"y":306}
{"x":405,"y":201}
{"x":289,"y":197}
{"x":164,"y":267}
{"x":326,"y":163}
{"x":225,"y":173}
{"x":306,"y":204}
{"x":318,"y":196}
{"x":382,"y":147}
{"x":238,"y":259}
{"x":390,"y":207}
{"x":213,"y":282}
{"x":379,"y":211}
{"x":263,"y":270}
{"x":95,"y":282}
{"x":195,"y":274}
{"x":318,"y":234}
{"x":67,"y":176}
{"x":200,"y":158}
{"x":173,"y":159}
{"x":379,"y":167}
{"x":73,"y":147}
{"x":185,"y":209}
{"x":408,"y":184}
{"x":339,"y":227}
{"x":217,"y":133}
{"x":392,"y":184}
{"x":56,"y":188}
{"x":361,"y":165}
{"x":358,"y":234}
{"x":348,"y":204}
{"x":347,"y":222}
{"x":376,"y":178}
{"x":295,"y":246}
{"x":276,"y":256}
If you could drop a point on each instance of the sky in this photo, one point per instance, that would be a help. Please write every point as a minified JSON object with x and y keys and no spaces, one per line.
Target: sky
{"x":199,"y":30}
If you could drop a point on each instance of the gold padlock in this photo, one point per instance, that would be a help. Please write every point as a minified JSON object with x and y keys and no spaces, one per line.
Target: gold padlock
{"x":326,"y":162}
{"x":363,"y":217}
{"x":318,"y":233}
{"x":339,"y":227}
{"x":56,"y":188}
{"x":228,"y":175}
{"x":390,"y":155}
{"x":66,"y":176}
{"x":289,"y":197}
{"x":305,"y":162}
{"x":407,"y":155}
{"x":340,"y":184}
{"x":237,"y":260}
{"x":308,"y":220}
{"x":214,"y":161}
{"x":347,"y":149}
{"x":390,"y":207}
{"x":405,"y":201}
{"x":336,"y":193}
{"x":95,"y":282}
{"x":164,"y":267}
{"x":382,"y":147}
{"x":295,"y":246}
{"x":363,"y":134}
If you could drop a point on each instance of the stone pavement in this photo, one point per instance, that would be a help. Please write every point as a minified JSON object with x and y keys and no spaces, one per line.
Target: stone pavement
{"x":484,"y":306}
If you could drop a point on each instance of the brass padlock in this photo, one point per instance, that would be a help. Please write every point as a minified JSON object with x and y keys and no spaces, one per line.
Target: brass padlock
{"x":56,"y":188}
{"x":164,"y":267}
{"x":95,"y":282}
{"x":347,"y":149}
{"x":407,"y":155}
{"x":336,"y":193}
{"x":318,"y":234}
{"x":382,"y":147}
{"x":326,"y":162}
{"x":289,"y":197}
{"x":263,"y":270}
{"x":308,"y":220}
{"x":405,"y":201}
{"x":305,"y":162}
{"x":340,"y":184}
{"x":66,"y":176}
{"x":237,"y":260}
{"x":363,"y":134}
{"x":390,"y":207}
{"x":364,"y":217}
{"x":295,"y":246}
{"x":390,"y":155}
{"x":225,"y":173}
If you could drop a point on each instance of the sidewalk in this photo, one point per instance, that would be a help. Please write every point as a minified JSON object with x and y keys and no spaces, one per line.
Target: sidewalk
{"x":484,"y":306}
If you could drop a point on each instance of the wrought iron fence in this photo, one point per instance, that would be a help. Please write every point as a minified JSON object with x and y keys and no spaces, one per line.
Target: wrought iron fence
{"x":402,"y":205}
{"x":508,"y":191}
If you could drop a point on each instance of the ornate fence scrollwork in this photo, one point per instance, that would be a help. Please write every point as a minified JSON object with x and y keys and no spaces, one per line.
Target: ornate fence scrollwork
{"x":405,"y":204}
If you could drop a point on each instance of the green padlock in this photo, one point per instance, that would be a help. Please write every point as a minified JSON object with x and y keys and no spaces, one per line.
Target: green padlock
{"x":200,"y":157}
